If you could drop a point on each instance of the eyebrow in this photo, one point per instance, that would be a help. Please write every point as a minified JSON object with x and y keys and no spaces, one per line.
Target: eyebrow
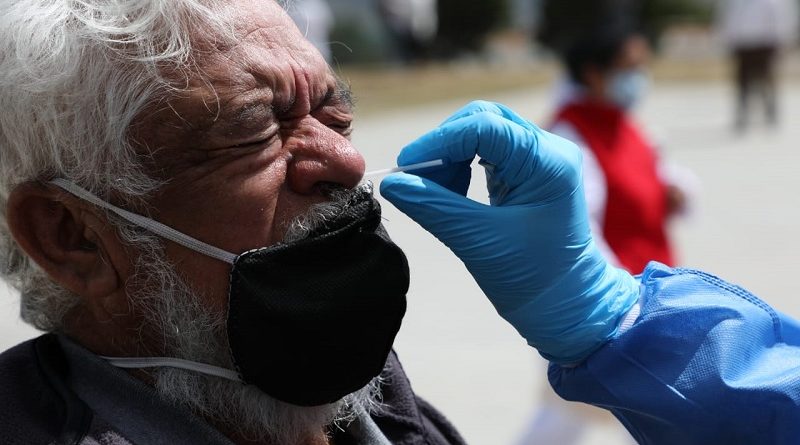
{"x":248,"y":114}
{"x":249,"y":111}
{"x":342,"y":94}
{"x":246,"y":118}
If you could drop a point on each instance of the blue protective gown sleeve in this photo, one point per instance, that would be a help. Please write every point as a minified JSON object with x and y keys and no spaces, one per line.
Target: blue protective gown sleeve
{"x":706,"y":363}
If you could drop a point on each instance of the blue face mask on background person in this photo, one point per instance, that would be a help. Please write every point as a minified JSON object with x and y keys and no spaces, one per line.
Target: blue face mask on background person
{"x":310,"y":321}
{"x":627,"y":87}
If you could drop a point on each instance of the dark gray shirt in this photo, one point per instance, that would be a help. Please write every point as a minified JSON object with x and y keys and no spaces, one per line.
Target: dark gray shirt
{"x":54,"y":391}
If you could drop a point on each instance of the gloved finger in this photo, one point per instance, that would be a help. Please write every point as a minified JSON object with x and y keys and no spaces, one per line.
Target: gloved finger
{"x":472,"y":108}
{"x":486,"y":133}
{"x":498,"y":190}
{"x":511,"y":147}
{"x":449,"y":216}
{"x":511,"y":115}
{"x":455,"y":176}
{"x":409,"y":156}
{"x":558,"y":173}
{"x":499,"y":109}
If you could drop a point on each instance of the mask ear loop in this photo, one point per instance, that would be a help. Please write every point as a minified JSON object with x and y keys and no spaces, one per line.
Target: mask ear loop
{"x":147,"y":223}
{"x":168,"y":362}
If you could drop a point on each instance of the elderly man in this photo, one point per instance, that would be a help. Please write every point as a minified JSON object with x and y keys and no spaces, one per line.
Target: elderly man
{"x":219,"y":120}
{"x":183,"y":215}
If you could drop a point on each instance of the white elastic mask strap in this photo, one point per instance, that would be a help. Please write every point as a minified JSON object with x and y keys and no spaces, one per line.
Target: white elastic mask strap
{"x":167,"y":362}
{"x":147,"y":223}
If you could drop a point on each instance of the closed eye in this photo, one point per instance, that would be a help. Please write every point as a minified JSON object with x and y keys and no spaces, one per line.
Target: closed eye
{"x":256,"y":143}
{"x":342,"y":127}
{"x":249,"y":144}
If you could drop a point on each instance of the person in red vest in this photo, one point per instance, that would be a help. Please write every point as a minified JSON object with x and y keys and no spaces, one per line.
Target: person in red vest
{"x":628,"y":191}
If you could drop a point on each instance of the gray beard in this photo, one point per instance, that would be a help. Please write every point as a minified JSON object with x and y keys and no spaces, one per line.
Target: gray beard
{"x":190,"y":332}
{"x":316,"y":216}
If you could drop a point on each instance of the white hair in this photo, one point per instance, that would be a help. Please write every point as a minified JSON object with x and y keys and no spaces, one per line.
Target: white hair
{"x":174,"y":315}
{"x":74,"y":76}
{"x":173,"y":312}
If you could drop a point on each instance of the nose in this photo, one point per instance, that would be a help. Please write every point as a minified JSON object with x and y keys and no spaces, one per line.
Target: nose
{"x":321,"y":157}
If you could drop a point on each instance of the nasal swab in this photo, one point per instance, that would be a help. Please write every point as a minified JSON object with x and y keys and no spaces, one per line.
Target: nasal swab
{"x":405,"y":168}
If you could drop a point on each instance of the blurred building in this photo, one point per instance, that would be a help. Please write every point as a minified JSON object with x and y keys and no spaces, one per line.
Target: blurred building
{"x":449,"y":28}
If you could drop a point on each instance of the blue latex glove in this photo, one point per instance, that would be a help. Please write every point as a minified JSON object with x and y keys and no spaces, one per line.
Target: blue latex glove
{"x":531,"y":251}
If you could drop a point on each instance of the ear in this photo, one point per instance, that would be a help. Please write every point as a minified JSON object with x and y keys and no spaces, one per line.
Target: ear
{"x":70,"y":242}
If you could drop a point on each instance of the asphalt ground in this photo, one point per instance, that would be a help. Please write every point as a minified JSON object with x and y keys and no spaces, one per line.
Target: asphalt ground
{"x":473,"y":366}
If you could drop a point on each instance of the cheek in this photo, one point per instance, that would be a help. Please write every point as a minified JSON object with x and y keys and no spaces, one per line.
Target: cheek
{"x":241,"y":222}
{"x":231,"y":209}
{"x":206,"y":277}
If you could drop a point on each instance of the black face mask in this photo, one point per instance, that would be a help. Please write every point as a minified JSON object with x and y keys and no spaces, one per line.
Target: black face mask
{"x":309,"y":321}
{"x":312,"y":321}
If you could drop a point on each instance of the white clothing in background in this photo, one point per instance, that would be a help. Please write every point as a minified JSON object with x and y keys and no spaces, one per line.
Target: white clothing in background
{"x":419,"y":18}
{"x":757,"y":23}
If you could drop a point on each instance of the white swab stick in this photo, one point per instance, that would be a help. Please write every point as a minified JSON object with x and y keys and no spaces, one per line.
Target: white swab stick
{"x":405,"y":168}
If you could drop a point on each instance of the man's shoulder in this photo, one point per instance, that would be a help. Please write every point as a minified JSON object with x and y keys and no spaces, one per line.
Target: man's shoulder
{"x":29,"y":408}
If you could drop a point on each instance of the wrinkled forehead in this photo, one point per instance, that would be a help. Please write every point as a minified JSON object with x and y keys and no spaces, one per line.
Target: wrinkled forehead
{"x":245,"y":17}
{"x":262,"y":37}
{"x":263,"y":59}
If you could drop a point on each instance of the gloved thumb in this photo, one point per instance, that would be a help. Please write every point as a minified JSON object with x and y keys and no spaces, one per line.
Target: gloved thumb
{"x":449,"y":216}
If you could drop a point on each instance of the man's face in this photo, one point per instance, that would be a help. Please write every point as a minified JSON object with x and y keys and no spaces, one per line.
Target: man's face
{"x":253,"y":143}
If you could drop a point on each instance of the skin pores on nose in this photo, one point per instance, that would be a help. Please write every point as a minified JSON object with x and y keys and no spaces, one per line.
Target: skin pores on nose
{"x":320,"y":157}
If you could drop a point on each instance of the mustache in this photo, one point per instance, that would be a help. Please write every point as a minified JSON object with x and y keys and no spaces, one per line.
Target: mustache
{"x":321,"y":218}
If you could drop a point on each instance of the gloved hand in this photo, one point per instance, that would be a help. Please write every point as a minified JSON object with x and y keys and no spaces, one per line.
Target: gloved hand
{"x":531,"y":251}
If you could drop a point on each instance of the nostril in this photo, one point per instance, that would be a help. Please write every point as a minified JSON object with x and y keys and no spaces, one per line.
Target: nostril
{"x":330,"y":189}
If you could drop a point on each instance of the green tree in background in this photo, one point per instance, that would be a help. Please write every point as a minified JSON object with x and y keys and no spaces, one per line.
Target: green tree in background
{"x":465,"y":24}
{"x":565,"y":20}
{"x":658,"y":15}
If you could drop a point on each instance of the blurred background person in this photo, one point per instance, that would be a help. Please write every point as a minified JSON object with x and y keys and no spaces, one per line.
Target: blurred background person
{"x":755,"y":31}
{"x":315,"y":20}
{"x":631,"y":194}
{"x":412,"y":25}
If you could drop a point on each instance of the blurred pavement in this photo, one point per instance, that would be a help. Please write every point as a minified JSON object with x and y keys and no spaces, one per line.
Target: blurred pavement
{"x":467,"y":361}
